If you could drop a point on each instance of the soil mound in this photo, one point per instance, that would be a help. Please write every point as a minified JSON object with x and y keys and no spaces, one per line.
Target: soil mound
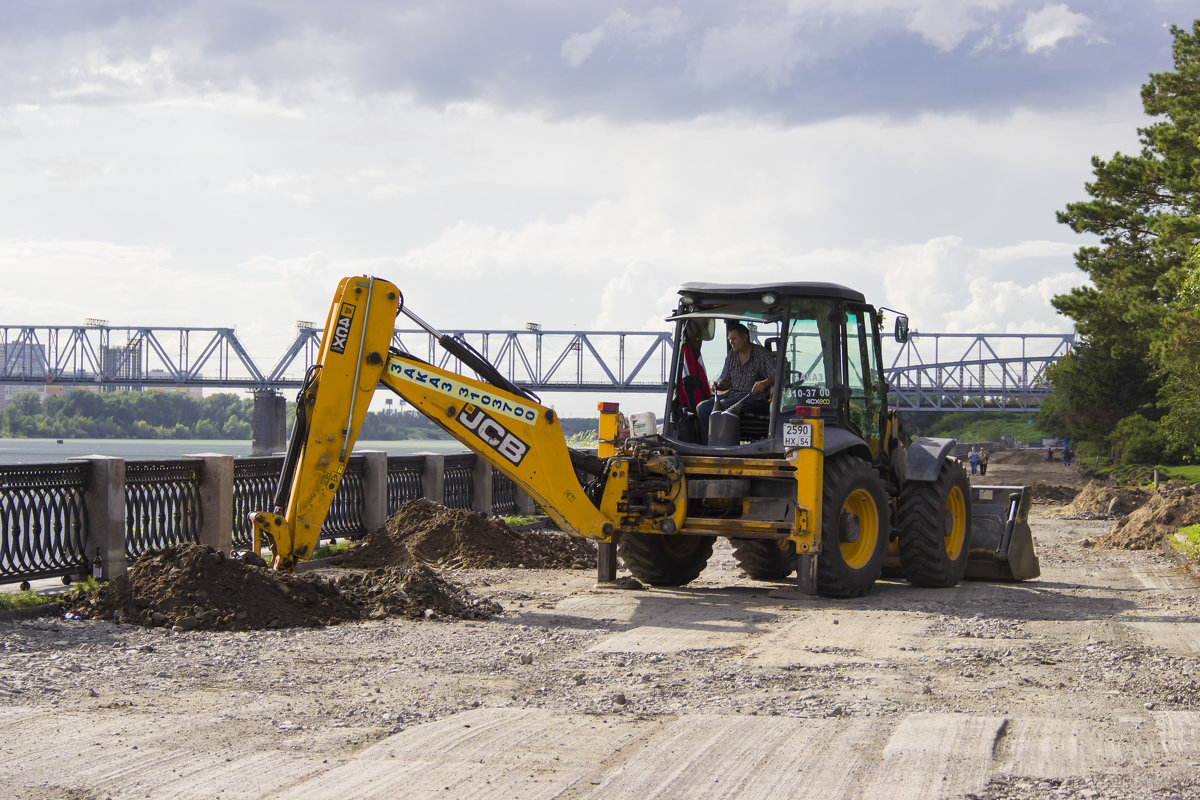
{"x":193,"y":586}
{"x":1101,"y":498}
{"x":1052,"y":494}
{"x":425,"y":532}
{"x":1017,"y":457}
{"x":1173,"y":507}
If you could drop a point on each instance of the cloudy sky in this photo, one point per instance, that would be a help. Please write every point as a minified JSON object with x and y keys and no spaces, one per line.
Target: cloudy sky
{"x":221,"y":163}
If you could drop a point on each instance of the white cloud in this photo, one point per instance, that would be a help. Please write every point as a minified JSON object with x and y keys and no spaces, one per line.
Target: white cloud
{"x":945,"y":23}
{"x":1008,"y":307}
{"x":768,"y":51}
{"x":642,"y":31}
{"x":941,"y":23}
{"x":1045,"y":29}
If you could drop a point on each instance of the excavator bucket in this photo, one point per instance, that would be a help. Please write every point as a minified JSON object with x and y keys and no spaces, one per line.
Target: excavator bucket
{"x":1001,"y":542}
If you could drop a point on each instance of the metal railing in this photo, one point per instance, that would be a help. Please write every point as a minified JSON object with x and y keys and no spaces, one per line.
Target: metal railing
{"x":504,"y":494}
{"x":403,"y":481}
{"x":43,"y":521}
{"x":254,"y":483}
{"x":460,"y":482}
{"x":44,"y":529}
{"x":345,"y":517}
{"x":162,"y":505}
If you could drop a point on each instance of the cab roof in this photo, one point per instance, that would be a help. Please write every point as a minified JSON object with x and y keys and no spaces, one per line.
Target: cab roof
{"x":730,"y":291}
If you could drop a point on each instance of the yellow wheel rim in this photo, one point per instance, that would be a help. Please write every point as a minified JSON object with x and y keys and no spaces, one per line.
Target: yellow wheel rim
{"x":859,"y":508}
{"x":955,"y":522}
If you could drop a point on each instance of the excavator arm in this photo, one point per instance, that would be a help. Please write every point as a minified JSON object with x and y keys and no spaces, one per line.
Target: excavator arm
{"x":505,"y":425}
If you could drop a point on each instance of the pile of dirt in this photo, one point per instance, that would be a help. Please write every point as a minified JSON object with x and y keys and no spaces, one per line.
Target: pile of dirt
{"x":413,"y":590}
{"x":1099,"y":497}
{"x":1052,"y":494}
{"x":1017,"y":456}
{"x":1173,"y":507}
{"x":425,"y":532}
{"x":193,"y":586}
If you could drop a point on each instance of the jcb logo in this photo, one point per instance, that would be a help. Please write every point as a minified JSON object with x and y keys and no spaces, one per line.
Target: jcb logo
{"x":341,"y":328}
{"x":476,"y":420}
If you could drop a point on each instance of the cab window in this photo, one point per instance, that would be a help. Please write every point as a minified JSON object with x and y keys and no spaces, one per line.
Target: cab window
{"x":808,"y":357}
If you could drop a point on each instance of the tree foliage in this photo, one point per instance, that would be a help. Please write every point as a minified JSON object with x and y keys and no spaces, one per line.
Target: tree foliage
{"x":81,"y":414}
{"x":1137,"y":319}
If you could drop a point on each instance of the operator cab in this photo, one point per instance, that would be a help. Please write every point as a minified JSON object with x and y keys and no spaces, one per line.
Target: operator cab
{"x":824,"y":343}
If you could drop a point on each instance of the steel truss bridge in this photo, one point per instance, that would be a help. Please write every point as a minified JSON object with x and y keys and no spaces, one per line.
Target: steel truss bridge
{"x":931,"y":372}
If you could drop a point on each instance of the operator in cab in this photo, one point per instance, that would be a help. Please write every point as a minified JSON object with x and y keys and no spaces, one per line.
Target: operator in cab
{"x":745,"y":380}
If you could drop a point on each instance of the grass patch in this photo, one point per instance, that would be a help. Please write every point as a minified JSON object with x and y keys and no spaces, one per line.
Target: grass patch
{"x":1188,"y":541}
{"x":329,"y":550}
{"x":584,"y":439}
{"x":86,"y":586}
{"x":1142,"y":475}
{"x":518,"y":520}
{"x":1190,"y":474}
{"x":25,"y":599}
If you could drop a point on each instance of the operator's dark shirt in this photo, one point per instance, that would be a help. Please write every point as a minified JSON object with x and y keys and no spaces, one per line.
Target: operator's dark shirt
{"x":742,"y":377}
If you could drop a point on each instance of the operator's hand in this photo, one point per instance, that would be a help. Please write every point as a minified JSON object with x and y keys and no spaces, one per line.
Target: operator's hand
{"x":762,"y":385}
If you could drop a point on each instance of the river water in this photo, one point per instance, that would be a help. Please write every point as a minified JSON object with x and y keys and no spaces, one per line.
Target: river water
{"x":43,"y":451}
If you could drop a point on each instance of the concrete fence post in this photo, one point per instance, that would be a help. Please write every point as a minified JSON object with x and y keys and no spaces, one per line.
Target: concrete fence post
{"x":104,"y":499}
{"x":481,"y":478}
{"x":526,"y":505}
{"x":433,"y":477}
{"x":216,"y":500}
{"x":375,"y":501}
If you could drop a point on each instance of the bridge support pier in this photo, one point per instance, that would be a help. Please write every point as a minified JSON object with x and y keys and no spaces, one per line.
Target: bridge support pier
{"x":270,"y":418}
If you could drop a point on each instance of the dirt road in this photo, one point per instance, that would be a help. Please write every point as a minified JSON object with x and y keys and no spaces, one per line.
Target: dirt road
{"x":1082,"y":684}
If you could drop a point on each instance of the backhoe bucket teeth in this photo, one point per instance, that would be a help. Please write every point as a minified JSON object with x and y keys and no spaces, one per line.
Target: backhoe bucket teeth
{"x":1001,"y":542}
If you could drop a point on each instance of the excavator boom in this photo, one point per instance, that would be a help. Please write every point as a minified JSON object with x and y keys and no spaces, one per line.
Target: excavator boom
{"x":506,"y":426}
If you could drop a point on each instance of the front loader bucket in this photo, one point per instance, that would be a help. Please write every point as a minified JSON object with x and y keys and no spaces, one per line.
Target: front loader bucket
{"x":1001,"y":542}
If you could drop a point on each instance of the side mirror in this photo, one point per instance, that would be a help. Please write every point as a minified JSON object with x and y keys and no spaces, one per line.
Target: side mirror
{"x":902,"y":329}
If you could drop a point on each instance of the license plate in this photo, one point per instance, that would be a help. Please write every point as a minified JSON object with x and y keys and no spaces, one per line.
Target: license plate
{"x":797,"y":434}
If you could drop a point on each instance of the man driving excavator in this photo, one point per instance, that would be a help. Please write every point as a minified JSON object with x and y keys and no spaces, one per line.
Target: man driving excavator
{"x":745,"y":380}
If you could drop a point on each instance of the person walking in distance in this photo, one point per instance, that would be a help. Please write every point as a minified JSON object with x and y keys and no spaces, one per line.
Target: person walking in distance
{"x":973,"y":457}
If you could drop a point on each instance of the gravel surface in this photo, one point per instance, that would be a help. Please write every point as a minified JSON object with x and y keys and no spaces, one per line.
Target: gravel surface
{"x":1082,"y":684}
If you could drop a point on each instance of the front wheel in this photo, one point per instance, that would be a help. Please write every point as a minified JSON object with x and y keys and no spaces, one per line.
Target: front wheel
{"x":935,"y":527}
{"x":665,"y":560}
{"x":855,"y":526}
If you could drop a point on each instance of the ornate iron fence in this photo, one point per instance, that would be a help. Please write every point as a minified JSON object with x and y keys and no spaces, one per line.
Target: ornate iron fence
{"x":504,"y":494}
{"x":43,"y":521}
{"x":345,"y":518}
{"x":162,"y":504}
{"x":460,"y":483}
{"x":254,"y":483}
{"x":404,"y":480}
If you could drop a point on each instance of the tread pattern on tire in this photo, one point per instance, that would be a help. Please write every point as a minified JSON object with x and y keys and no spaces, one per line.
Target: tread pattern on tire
{"x":923,"y":557}
{"x":764,"y":559}
{"x":835,"y":578}
{"x":674,"y":560}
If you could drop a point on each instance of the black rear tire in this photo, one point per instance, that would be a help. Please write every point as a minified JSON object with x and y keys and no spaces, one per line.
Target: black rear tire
{"x":935,"y":527}
{"x":662,"y":560}
{"x":855,"y":527}
{"x":764,"y":559}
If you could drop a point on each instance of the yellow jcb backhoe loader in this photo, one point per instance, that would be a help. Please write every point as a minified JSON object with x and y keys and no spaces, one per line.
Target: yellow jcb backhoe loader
{"x":818,"y":477}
